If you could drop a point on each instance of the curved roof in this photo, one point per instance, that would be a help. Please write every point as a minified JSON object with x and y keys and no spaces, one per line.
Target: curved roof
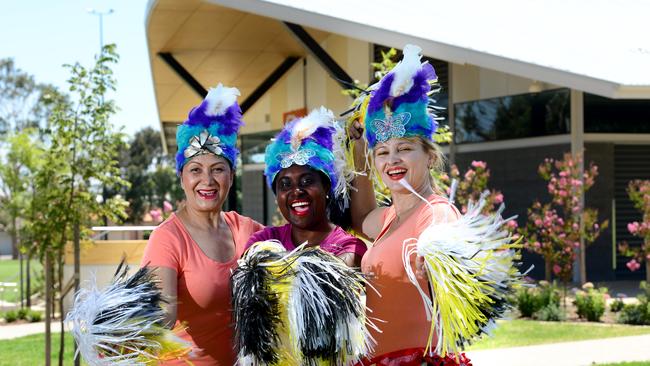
{"x":597,"y":46}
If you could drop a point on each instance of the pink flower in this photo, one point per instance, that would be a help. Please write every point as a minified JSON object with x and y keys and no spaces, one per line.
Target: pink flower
{"x":557,"y":269}
{"x":633,"y":265}
{"x":537,"y":244}
{"x":576,"y":244}
{"x":156,"y":215}
{"x":167,"y":207}
{"x":596,"y":226}
{"x":498,"y":198}
{"x":479,"y":164}
{"x":633,"y":227}
{"x":538,"y":222}
{"x":512,"y":224}
{"x":469,"y":174}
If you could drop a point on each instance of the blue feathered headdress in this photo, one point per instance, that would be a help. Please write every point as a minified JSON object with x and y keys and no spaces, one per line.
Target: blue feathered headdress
{"x":316,"y":141}
{"x":398,"y":105}
{"x":211,"y":128}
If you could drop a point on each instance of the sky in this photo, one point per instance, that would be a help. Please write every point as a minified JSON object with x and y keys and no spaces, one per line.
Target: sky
{"x":43,"y":35}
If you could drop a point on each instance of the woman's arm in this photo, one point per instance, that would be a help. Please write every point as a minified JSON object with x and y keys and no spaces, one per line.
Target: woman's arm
{"x":168,"y":286}
{"x":362,"y":197}
{"x":351,"y":259}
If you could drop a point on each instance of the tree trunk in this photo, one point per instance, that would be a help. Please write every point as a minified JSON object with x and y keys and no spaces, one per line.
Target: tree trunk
{"x":61,"y":316}
{"x":21,"y":275}
{"x":647,"y":271}
{"x":48,"y":307}
{"x":28,"y":288}
{"x":547,"y":270}
{"x":14,"y":238}
{"x":77,"y":276}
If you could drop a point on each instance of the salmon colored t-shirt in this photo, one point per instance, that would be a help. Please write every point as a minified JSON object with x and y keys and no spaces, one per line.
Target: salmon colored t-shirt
{"x":203,"y":286}
{"x":398,"y":307}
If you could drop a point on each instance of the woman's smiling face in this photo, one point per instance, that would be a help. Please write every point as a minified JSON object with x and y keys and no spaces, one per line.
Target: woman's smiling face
{"x":400,"y":158}
{"x":301,"y":196}
{"x":206,"y":180}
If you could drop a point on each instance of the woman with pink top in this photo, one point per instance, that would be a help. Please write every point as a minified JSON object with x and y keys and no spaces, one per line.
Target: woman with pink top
{"x":197,"y":247}
{"x":310,"y":186}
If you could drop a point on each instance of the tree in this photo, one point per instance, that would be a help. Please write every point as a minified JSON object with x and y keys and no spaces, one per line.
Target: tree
{"x":80,"y":160}
{"x":639,"y":193}
{"x":24,"y":103}
{"x":554,"y":230}
{"x":151,"y":173}
{"x":17,"y":173}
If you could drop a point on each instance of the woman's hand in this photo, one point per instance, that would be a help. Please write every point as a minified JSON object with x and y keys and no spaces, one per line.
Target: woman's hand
{"x":355,"y":131}
{"x":420,"y":268}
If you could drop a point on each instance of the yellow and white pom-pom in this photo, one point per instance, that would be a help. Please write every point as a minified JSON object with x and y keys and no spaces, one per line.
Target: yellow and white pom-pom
{"x":471,"y":268}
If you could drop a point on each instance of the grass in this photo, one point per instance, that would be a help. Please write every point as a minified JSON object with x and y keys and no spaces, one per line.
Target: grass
{"x":9,"y":272}
{"x":515,"y":333}
{"x":30,"y":350}
{"x":636,"y":363}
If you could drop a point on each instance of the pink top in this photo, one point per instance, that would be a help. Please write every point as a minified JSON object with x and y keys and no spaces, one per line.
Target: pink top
{"x":399,"y":308}
{"x":203,"y":286}
{"x":337,"y":242}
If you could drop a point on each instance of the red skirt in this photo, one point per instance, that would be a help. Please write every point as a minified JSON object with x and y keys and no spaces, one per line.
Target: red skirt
{"x":415,"y":357}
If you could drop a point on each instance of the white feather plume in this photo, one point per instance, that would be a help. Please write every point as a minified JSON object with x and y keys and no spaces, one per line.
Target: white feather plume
{"x":405,"y":70}
{"x":219,"y":99}
{"x":320,"y":117}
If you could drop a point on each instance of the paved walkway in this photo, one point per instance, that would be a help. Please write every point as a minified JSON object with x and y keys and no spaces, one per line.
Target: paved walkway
{"x":21,"y":330}
{"x":582,"y":353}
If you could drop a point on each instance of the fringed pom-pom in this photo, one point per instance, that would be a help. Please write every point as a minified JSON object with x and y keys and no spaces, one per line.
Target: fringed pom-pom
{"x":121,"y":325}
{"x":471,"y":265}
{"x":311,"y":307}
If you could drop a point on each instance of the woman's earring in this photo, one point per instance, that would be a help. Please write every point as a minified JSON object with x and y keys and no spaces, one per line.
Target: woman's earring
{"x":327,"y":196}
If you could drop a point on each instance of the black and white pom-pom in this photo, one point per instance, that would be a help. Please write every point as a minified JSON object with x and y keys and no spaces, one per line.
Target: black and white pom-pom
{"x":121,"y":325}
{"x":308,"y":308}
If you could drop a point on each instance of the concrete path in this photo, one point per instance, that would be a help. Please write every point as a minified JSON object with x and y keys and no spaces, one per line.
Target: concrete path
{"x":582,"y":353}
{"x":21,"y":330}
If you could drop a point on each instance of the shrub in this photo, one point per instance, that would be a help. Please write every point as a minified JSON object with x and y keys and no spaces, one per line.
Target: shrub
{"x":590,"y":304}
{"x":550,"y":313}
{"x":532,"y":299}
{"x":616,"y":306}
{"x":34,"y":316}
{"x":11,"y":316}
{"x":22,"y":313}
{"x":637,"y":314}
{"x":527,"y":303}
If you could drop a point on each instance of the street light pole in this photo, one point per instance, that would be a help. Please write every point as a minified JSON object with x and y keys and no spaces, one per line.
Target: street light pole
{"x":100,"y":14}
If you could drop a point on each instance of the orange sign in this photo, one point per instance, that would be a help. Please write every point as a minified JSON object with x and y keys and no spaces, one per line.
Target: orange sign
{"x":291,"y":115}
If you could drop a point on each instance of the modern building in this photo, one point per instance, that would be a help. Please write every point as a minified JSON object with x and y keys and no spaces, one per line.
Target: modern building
{"x":520,"y":83}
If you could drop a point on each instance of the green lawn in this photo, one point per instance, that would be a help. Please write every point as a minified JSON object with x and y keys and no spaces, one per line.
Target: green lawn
{"x":638,"y":363}
{"x":30,"y":350}
{"x":514,"y":333}
{"x":9,"y":271}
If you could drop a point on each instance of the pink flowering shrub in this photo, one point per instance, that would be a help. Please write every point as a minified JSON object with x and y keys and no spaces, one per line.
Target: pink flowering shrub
{"x":157,"y":214}
{"x":639,"y":193}
{"x":553,"y":229}
{"x":470,"y":186}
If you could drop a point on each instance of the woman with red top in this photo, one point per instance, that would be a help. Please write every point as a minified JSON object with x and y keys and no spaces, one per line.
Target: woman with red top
{"x":196,"y":248}
{"x":398,"y":134}
{"x":310,"y":188}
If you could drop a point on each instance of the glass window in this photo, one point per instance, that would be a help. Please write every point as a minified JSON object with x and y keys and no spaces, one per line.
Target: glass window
{"x":514,"y":116}
{"x":253,"y":146}
{"x":606,"y":115}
